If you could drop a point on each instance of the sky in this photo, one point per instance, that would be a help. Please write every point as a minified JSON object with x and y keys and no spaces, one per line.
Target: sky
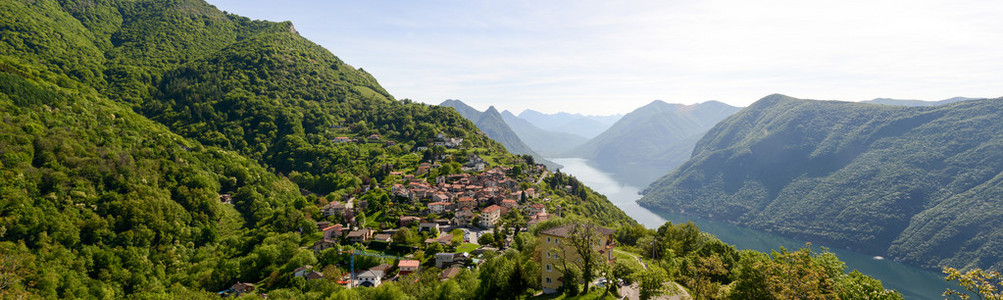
{"x":608,"y":57}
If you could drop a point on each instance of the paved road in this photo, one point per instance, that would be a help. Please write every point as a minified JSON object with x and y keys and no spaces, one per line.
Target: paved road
{"x":472,"y":234}
{"x":632,"y":292}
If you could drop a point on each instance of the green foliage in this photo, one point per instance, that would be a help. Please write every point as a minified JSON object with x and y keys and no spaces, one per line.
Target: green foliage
{"x":486,"y":238}
{"x":508,"y":275}
{"x":984,"y":284}
{"x":571,"y":277}
{"x":106,"y":203}
{"x":911,"y":183}
{"x":584,"y":202}
{"x":652,"y":282}
{"x":802,"y":274}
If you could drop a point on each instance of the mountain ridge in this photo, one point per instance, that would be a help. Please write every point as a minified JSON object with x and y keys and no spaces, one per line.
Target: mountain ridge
{"x":901,"y":182}
{"x":652,"y":140}
{"x":546,"y":142}
{"x":587,"y":126}
{"x":491,"y":123}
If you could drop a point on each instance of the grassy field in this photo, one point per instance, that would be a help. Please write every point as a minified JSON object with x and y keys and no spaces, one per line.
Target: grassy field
{"x":466,"y":247}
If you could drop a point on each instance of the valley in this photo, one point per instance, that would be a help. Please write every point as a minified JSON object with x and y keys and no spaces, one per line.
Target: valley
{"x":912,"y":282}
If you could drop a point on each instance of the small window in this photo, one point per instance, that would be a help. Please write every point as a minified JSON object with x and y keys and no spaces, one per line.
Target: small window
{"x":548,"y":280}
{"x":548,"y":254}
{"x":556,"y":241}
{"x":548,"y":268}
{"x":548,"y":239}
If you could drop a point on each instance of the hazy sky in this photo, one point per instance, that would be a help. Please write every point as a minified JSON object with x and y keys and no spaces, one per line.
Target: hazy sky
{"x":603,"y":57}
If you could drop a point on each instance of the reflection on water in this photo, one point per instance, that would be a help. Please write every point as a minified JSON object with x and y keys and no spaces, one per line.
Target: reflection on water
{"x":913,"y":283}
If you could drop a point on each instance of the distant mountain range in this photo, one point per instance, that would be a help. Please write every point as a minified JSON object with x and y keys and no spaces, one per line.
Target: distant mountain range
{"x":491,"y":123}
{"x":889,"y":101}
{"x":587,"y":126}
{"x":652,"y":140}
{"x":546,"y":142}
{"x":922,"y":185}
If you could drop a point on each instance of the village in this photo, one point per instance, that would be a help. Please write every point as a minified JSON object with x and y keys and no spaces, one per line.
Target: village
{"x":443,"y":223}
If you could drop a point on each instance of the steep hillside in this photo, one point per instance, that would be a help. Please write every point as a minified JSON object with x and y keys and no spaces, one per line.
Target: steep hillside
{"x":889,"y":101}
{"x":166,"y":149}
{"x":100,"y":199}
{"x":545,"y":142}
{"x":916,"y":184}
{"x":577,"y":124}
{"x":653,"y":139}
{"x":491,"y":123}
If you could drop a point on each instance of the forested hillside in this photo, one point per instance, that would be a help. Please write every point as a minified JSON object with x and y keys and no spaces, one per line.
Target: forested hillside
{"x":916,"y":184}
{"x":652,"y":140}
{"x":166,"y":149}
{"x":903,"y":102}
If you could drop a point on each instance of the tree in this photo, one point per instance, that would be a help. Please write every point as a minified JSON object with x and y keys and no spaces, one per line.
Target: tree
{"x":703,"y":273}
{"x":856,"y":285}
{"x":987,"y":285}
{"x":570,"y":276}
{"x":435,"y":247}
{"x":457,"y":237}
{"x":626,"y":271}
{"x":507,"y":276}
{"x":652,"y":282}
{"x":15,"y":267}
{"x":582,"y":240}
{"x":405,"y":236}
{"x":486,"y":238}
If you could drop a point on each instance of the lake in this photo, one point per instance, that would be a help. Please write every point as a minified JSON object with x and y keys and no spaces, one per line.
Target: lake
{"x":913,"y":283}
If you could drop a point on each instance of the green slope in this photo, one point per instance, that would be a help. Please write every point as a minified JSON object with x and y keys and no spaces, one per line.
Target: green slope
{"x":122,"y":123}
{"x":916,"y":184}
{"x":652,"y":140}
{"x":101,"y":199}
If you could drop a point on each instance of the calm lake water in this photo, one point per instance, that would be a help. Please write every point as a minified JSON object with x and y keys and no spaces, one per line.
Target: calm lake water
{"x":912,"y":282}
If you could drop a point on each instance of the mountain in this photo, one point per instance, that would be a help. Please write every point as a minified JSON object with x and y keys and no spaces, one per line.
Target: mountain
{"x":889,"y":101}
{"x":491,"y":123}
{"x":543,"y":141}
{"x":652,"y":140}
{"x":921,"y":185}
{"x":167,"y":149}
{"x":577,"y":124}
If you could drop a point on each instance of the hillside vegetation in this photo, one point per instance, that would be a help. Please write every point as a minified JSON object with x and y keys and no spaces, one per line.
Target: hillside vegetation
{"x":166,"y":149}
{"x":916,"y":184}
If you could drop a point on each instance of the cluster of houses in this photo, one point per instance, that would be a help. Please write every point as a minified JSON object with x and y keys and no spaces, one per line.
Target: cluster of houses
{"x":485,"y":197}
{"x":471,"y":200}
{"x":454,"y":201}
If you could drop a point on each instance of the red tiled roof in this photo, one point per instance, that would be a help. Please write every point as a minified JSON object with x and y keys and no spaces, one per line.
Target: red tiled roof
{"x":491,"y":208}
{"x":408,"y":263}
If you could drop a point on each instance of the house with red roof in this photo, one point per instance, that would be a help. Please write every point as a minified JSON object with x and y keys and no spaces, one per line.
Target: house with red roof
{"x":490,"y":216}
{"x":407,"y":266}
